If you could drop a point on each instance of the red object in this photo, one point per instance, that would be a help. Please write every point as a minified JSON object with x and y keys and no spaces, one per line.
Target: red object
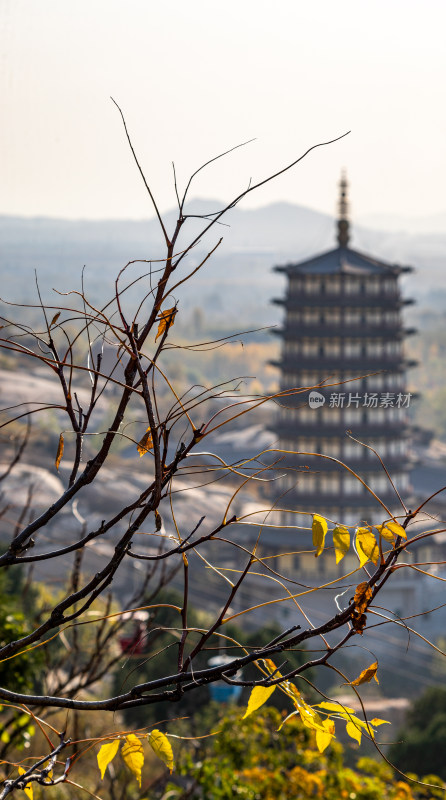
{"x":133,"y":645}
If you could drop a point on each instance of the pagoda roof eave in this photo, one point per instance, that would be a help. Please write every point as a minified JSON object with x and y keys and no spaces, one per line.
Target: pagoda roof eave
{"x":343,"y":261}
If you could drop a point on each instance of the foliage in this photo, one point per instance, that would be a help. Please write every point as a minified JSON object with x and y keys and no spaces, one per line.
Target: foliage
{"x":15,"y":622}
{"x":214,"y":551}
{"x":160,"y":642}
{"x":295,"y":658}
{"x":420,"y":745}
{"x":250,"y":759}
{"x":160,"y":645}
{"x":429,"y":349}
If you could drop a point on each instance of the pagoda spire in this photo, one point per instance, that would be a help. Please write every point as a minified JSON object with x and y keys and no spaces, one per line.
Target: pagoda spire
{"x":343,"y":224}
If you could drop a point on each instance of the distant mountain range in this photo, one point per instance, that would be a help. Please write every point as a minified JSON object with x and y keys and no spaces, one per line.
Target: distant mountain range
{"x":435,"y":223}
{"x":238,"y":280}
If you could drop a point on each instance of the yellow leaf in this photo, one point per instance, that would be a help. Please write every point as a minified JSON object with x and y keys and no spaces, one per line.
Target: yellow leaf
{"x":271,"y":667}
{"x":319,"y":529}
{"x":293,"y":714}
{"x":390,"y":530}
{"x":133,"y":755}
{"x":162,"y":747}
{"x":59,"y":451}
{"x":257,"y":698}
{"x":396,"y":529}
{"x":291,"y":690}
{"x":366,"y":675}
{"x":366,"y":546}
{"x":145,"y":444}
{"x":376,"y":721}
{"x":323,"y":738}
{"x":354,"y":731}
{"x":28,"y":788}
{"x":338,"y":708}
{"x":107,"y":754}
{"x":166,"y":320}
{"x":341,"y":541}
{"x":386,"y":533}
{"x":310,"y":717}
{"x":359,"y":723}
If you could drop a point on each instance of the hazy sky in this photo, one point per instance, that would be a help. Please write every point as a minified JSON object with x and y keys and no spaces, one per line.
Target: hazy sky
{"x":195,"y":77}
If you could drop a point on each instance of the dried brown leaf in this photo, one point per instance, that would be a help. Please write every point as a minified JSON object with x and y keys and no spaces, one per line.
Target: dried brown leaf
{"x":55,"y":318}
{"x":145,"y":444}
{"x":166,"y":320}
{"x":363,"y":595}
{"x":59,"y":451}
{"x":359,"y":621}
{"x":366,"y":675}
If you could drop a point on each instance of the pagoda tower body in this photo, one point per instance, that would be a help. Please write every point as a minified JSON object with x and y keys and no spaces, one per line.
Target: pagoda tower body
{"x":342,"y":344}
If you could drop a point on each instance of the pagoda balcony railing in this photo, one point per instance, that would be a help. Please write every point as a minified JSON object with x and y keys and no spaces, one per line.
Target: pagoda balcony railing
{"x":349,"y":385}
{"x":294,"y":428}
{"x":365,"y":462}
{"x":345,"y":363}
{"x":381,"y":301}
{"x":312,"y":501}
{"x":343,"y":330}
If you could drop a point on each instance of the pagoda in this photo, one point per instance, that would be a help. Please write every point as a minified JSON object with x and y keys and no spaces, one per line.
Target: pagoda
{"x":342,"y":346}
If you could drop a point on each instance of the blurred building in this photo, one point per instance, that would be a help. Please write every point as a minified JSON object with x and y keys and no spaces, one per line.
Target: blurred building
{"x":342,"y":342}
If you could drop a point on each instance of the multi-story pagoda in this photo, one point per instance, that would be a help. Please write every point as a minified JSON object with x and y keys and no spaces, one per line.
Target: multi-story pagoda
{"x":342,"y":338}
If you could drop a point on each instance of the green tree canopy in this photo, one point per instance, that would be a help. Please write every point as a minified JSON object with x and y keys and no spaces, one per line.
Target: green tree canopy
{"x":421,"y":744}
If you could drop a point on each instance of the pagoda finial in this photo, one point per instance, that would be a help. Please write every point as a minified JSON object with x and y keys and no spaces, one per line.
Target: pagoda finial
{"x":343,"y":221}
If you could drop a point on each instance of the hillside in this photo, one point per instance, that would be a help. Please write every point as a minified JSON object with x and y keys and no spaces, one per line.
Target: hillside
{"x":238,"y":279}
